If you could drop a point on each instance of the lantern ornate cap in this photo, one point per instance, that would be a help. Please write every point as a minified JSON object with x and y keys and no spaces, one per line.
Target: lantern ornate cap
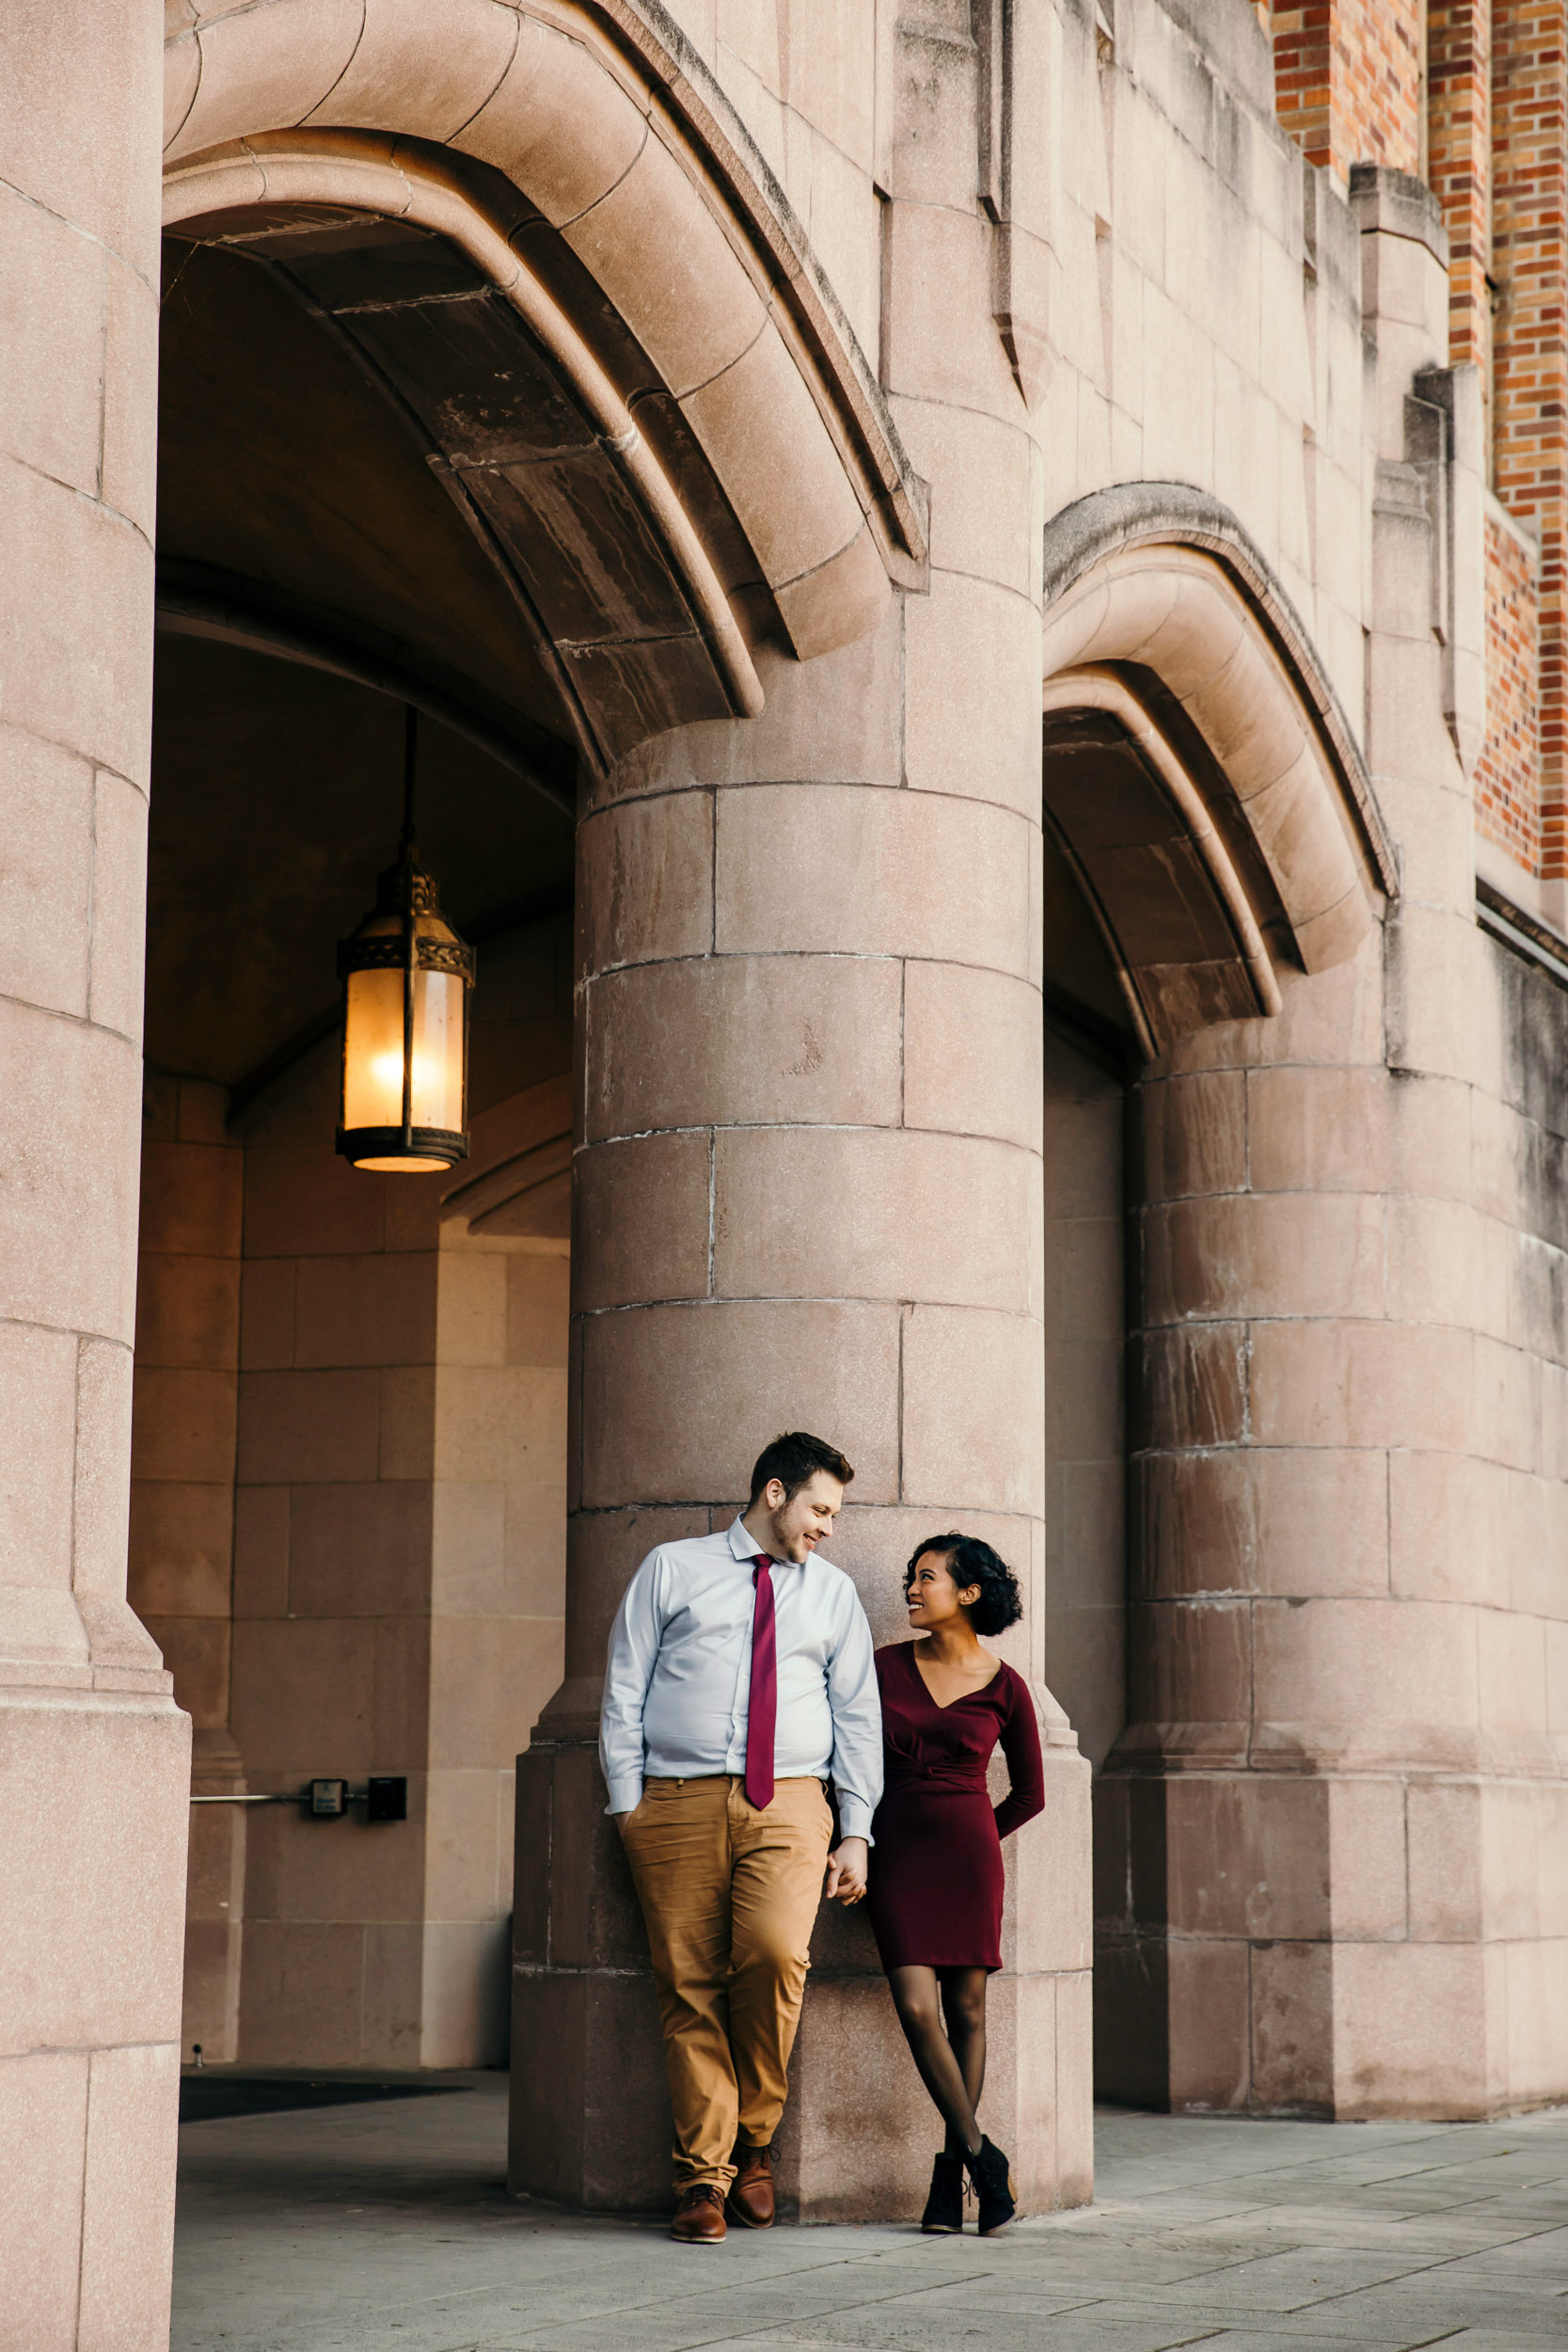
{"x":405,"y":892}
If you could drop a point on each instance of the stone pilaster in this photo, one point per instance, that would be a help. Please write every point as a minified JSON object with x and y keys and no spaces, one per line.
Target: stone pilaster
{"x":94,"y":1757}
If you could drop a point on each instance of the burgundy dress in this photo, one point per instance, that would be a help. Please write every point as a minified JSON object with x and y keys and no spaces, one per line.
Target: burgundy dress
{"x":935,"y":1884}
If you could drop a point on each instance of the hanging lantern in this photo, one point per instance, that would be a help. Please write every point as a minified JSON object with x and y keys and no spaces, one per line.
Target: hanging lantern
{"x":406,"y":978}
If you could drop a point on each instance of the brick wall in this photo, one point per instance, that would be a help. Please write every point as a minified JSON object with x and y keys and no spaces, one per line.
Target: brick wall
{"x":1530,"y":201}
{"x":1506,"y":783}
{"x":1348,"y":81}
{"x":1301,"y":80}
{"x":1351,"y":82}
{"x":1459,"y":166}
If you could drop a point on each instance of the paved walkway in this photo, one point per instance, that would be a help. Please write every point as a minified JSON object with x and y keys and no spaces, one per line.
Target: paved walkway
{"x":385,"y":2228}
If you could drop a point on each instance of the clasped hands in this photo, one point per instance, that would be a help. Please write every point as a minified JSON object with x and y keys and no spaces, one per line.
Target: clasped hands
{"x":846,"y":1867}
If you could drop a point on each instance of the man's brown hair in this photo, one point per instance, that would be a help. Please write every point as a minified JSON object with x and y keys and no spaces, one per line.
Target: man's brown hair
{"x":794,"y":1458}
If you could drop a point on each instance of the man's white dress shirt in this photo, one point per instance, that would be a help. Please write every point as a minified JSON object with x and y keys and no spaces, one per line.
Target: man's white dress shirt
{"x":678,"y":1682}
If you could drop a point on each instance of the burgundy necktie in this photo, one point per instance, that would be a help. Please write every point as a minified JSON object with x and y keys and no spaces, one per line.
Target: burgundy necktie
{"x":762,"y":1713}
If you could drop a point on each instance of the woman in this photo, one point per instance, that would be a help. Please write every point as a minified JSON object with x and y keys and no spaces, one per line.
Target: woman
{"x":936,"y":1878}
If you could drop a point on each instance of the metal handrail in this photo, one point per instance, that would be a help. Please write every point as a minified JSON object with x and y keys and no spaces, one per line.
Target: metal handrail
{"x":276,"y":1799}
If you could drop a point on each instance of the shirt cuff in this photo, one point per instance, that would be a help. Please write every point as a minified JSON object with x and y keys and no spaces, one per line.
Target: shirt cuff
{"x":854,"y":1819}
{"x":625,"y":1793}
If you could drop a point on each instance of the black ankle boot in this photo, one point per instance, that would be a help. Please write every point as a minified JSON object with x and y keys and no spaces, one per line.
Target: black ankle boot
{"x":993,"y":2184}
{"x":944,"y":2207}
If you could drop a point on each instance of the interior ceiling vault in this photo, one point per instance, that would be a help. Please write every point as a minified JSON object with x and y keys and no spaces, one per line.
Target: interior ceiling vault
{"x":1180,"y":944}
{"x":282,"y":463}
{"x":291,"y":489}
{"x":542,"y":453}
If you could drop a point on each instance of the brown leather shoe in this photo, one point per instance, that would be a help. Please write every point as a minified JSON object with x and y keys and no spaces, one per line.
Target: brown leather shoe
{"x":699,"y":2217}
{"x":751,"y":2199}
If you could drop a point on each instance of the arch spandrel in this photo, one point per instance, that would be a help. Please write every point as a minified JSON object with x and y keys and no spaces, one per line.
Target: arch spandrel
{"x":1246,"y":805}
{"x":638,"y":238}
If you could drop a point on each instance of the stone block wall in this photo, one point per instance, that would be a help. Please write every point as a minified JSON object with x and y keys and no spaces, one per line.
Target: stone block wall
{"x":187,"y":1366}
{"x":180,"y":1579}
{"x":347,"y":1532}
{"x":1178,"y":230}
{"x":398,"y":1592}
{"x":496,"y":1604}
{"x":1083,"y":1633}
{"x":331,"y":1583}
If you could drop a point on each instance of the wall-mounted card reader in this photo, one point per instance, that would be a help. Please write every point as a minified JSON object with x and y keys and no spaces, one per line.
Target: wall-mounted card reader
{"x":384,"y":1797}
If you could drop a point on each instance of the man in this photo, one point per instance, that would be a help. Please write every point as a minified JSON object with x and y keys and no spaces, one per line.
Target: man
{"x":740,"y":1677}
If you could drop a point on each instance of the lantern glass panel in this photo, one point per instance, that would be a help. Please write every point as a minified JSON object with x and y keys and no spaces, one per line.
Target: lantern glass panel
{"x":437,"y":1050}
{"x":372,"y":1048}
{"x":372,"y":1056}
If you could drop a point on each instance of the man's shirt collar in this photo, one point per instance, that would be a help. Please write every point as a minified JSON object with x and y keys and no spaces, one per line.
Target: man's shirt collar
{"x":745,"y":1548}
{"x":740,"y":1543}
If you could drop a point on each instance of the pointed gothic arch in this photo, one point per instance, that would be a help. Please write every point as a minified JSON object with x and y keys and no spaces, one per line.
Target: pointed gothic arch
{"x":1199,"y":772}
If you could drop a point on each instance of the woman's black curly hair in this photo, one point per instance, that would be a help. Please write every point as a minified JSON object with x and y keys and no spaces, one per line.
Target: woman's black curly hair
{"x":971,"y":1562}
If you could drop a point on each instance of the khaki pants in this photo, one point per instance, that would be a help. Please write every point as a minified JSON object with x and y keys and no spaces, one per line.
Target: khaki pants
{"x":729,"y":1895}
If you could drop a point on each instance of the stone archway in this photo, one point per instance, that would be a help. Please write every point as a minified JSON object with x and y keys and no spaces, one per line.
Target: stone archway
{"x":1198,"y":770}
{"x":714,"y":464}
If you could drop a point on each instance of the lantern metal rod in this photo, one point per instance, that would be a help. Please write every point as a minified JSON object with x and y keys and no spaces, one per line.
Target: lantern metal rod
{"x":410,"y":945}
{"x":410,"y":759}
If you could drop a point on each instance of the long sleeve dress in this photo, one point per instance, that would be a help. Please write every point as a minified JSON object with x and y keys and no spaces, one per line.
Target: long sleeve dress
{"x":936,"y":1878}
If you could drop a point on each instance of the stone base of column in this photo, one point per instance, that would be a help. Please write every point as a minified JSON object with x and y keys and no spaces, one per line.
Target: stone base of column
{"x":591,"y":2123}
{"x":1344,"y":1946}
{"x":94,"y":1789}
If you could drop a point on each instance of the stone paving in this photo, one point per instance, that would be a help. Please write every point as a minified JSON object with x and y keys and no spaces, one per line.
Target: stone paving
{"x":355,"y":2228}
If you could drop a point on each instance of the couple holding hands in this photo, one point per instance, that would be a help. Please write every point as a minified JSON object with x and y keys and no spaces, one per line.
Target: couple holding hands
{"x":741,"y":1681}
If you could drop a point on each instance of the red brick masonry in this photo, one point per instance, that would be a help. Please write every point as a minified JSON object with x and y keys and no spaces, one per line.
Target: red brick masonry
{"x":1507,"y":773}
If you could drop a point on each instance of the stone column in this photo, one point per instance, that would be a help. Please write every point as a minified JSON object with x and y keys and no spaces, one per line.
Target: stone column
{"x":808,"y":1194}
{"x":94,"y":1757}
{"x":1237,"y":1843}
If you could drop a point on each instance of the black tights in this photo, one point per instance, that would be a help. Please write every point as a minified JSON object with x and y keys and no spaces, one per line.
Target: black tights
{"x":947,"y":2041}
